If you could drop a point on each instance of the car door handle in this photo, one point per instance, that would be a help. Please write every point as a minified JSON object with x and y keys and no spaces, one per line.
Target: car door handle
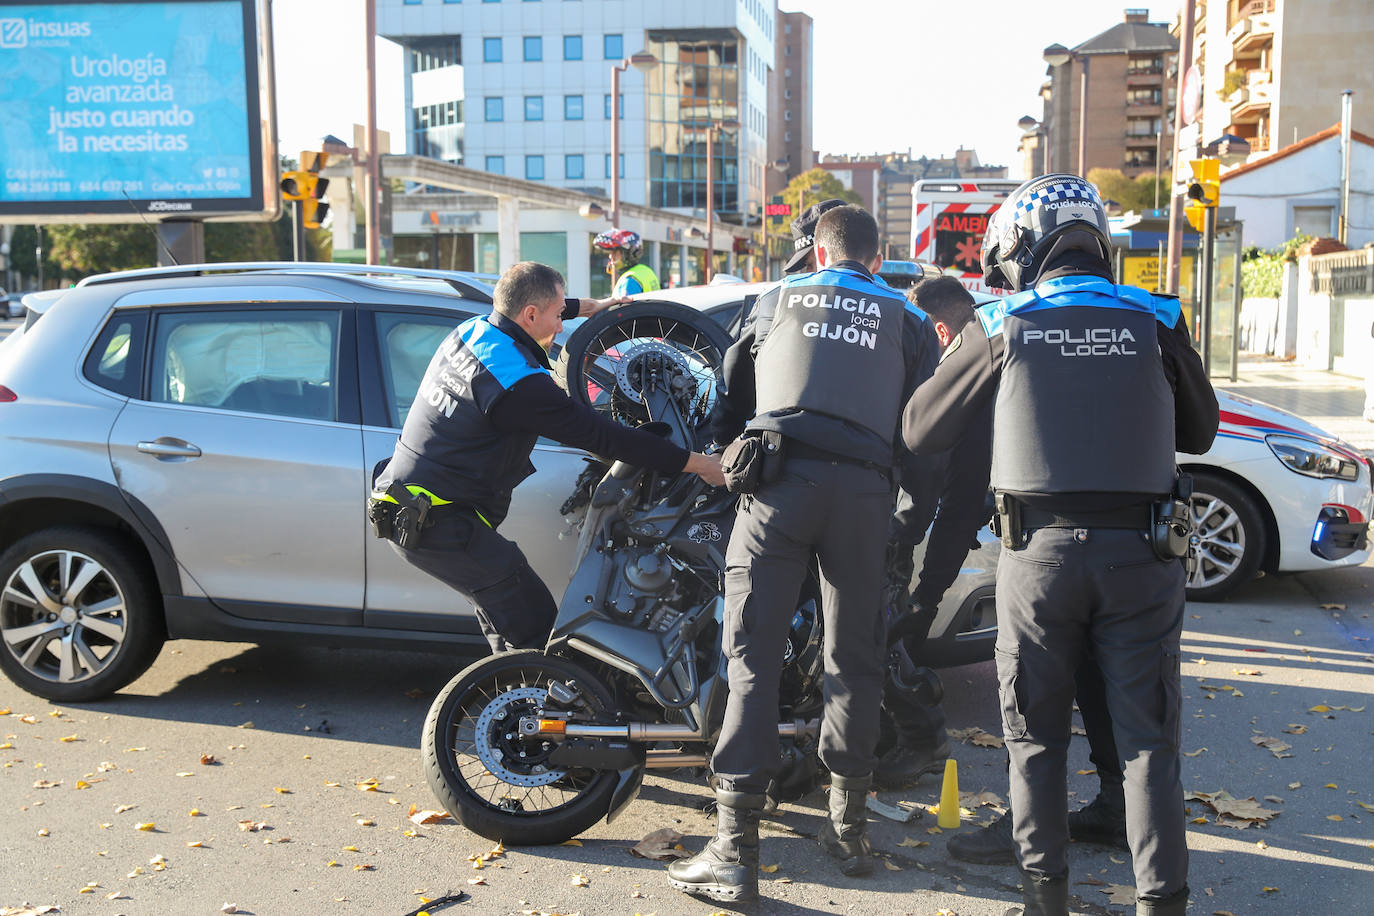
{"x":167,"y":447}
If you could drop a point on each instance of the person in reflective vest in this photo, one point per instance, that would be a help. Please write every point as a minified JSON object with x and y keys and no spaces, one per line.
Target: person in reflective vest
{"x":1094,"y":386}
{"x":623,"y":249}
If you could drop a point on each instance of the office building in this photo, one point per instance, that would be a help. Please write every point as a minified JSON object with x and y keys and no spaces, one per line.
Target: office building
{"x":790,"y":123}
{"x":523,"y":88}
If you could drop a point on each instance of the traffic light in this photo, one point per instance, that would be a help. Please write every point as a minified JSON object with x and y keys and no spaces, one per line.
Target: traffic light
{"x":1204,"y":191}
{"x":306,"y":187}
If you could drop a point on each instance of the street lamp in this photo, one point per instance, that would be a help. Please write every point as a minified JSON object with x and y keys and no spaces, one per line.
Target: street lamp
{"x":643,"y":62}
{"x":1056,"y":55}
{"x":711,"y":129}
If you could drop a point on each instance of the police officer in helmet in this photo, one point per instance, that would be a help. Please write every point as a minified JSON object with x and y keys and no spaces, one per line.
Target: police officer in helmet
{"x":623,"y":249}
{"x":1094,"y":387}
{"x":837,"y":353}
{"x":486,"y":396}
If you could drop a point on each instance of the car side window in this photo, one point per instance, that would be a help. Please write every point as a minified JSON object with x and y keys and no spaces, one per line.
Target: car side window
{"x":115,"y":360}
{"x":282,"y":362}
{"x":408,"y":343}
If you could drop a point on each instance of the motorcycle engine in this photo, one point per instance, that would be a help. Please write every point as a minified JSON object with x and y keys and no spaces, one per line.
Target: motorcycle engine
{"x":642,"y":590}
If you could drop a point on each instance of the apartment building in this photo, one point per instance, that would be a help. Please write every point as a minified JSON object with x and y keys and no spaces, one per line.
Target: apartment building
{"x":1129,"y":101}
{"x":790,"y":124}
{"x":1273,"y":70}
{"x":523,"y":88}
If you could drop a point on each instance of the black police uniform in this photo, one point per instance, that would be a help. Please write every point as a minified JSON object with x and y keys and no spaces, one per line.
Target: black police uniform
{"x":1095,"y":387}
{"x":828,"y":362}
{"x":485,"y":399}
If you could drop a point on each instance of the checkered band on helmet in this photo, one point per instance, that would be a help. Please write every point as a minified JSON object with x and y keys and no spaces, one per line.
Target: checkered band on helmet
{"x":1032,"y":216}
{"x":623,"y":239}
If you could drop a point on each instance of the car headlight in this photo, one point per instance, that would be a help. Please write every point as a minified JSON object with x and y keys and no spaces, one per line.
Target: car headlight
{"x":1312,"y":459}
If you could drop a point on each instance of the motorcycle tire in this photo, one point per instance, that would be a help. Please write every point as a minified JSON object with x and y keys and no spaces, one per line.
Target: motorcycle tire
{"x":483,"y":789}
{"x":689,"y":330}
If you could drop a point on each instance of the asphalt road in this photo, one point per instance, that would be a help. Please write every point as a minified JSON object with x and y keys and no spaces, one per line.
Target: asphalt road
{"x":294,"y":732}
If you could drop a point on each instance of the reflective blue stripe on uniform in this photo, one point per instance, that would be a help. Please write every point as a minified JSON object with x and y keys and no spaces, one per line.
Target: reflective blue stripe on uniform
{"x":1094,"y":292}
{"x":496,"y":351}
{"x":990,"y":314}
{"x":838,"y":277}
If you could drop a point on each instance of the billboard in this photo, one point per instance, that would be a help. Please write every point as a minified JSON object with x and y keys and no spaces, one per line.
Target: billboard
{"x":134,"y":109}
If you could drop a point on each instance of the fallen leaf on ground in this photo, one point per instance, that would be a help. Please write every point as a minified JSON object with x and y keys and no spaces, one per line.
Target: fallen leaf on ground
{"x":1275,"y":746}
{"x":478,"y":880}
{"x":247,"y":725}
{"x":1194,"y":753}
{"x":364,"y":866}
{"x":980,"y":799}
{"x":1248,"y":672}
{"x":47,"y":784}
{"x":366,"y":822}
{"x":208,"y":760}
{"x":252,"y":826}
{"x":1235,"y":812}
{"x":571,"y":843}
{"x":1334,"y":817}
{"x":1333,"y":607}
{"x":890,"y":865}
{"x":914,"y":844}
{"x":1295,"y":729}
{"x":229,"y":908}
{"x":1320,"y":707}
{"x":1120,"y":894}
{"x":581,"y":880}
{"x":281,"y":790}
{"x":976,"y":736}
{"x":368,"y":785}
{"x":69,"y":739}
{"x":146,"y":826}
{"x":659,"y":845}
{"x":427,"y":817}
{"x":768,"y":868}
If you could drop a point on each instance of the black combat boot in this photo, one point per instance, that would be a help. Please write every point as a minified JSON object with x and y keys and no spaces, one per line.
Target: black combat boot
{"x":845,"y":833}
{"x":1102,"y":821}
{"x":1173,"y":905}
{"x":1044,"y":895}
{"x":990,"y":845}
{"x":728,"y":868}
{"x":904,"y":764}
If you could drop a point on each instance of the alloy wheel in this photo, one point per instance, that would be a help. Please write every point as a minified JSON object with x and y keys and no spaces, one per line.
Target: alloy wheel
{"x":62,"y":616}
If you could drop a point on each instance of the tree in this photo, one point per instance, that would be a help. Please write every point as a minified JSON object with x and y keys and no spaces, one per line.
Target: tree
{"x":80,"y":250}
{"x":828,"y":186}
{"x":23,"y":255}
{"x":1138,"y":194}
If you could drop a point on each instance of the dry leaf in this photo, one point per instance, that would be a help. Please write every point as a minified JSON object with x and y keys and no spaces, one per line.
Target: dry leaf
{"x":82,"y":784}
{"x":580,"y":880}
{"x":184,"y":774}
{"x":146,"y":826}
{"x":252,"y":826}
{"x":331,"y":864}
{"x":571,"y":843}
{"x":47,"y":784}
{"x":1270,"y":890}
{"x":248,"y":725}
{"x":1120,"y":894}
{"x":1333,"y":607}
{"x":1295,"y":729}
{"x":281,"y":790}
{"x":1087,"y":772}
{"x":1194,"y":753}
{"x":1234,"y":812}
{"x":69,"y":739}
{"x":768,"y":868}
{"x":1250,"y":672}
{"x":1330,"y":785}
{"x":368,"y":785}
{"x":208,"y":760}
{"x":364,"y":866}
{"x":976,"y":736}
{"x":661,"y":845}
{"x":1365,"y":805}
{"x":350,"y":849}
{"x":981,"y":799}
{"x":1295,"y":785}
{"x":43,"y":831}
{"x":1320,"y":707}
{"x":1334,"y":817}
{"x":914,"y":844}
{"x":890,"y":866}
{"x":1275,"y":746}
{"x":478,"y":880}
{"x":366,"y":822}
{"x":1273,"y":798}
{"x":229,"y":908}
{"x":420,"y":818}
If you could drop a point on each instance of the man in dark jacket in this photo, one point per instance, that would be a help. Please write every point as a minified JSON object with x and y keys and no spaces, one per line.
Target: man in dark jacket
{"x":486,"y":397}
{"x":1095,"y":385}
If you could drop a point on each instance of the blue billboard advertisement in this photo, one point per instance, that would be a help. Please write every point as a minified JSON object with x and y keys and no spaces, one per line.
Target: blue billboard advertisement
{"x":130,"y":108}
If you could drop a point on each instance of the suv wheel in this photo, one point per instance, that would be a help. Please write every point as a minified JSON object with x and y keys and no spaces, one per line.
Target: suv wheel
{"x":1231,"y":537}
{"x":79,"y":618}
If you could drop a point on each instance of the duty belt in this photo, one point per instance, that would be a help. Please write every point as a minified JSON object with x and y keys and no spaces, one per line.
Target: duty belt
{"x":1135,"y":518}
{"x":795,"y":448}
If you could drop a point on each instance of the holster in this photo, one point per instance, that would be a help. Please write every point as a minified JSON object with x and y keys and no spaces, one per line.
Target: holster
{"x":401,"y":518}
{"x":752,"y":460}
{"x":1006,"y":521}
{"x":1171,"y":533}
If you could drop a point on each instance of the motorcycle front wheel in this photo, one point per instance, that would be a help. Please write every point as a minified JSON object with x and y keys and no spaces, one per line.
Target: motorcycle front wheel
{"x":496,"y":783}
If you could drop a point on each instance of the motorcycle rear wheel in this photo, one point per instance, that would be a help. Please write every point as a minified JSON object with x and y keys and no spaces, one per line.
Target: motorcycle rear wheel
{"x":471,"y":750}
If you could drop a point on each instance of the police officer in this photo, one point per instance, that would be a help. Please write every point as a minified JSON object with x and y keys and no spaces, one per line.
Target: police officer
{"x":837,"y":352}
{"x":486,"y":397}
{"x":623,"y":249}
{"x":1095,"y":385}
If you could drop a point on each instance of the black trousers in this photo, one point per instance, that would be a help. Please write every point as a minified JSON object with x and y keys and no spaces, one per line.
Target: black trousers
{"x":514,"y":607}
{"x":838,"y":513}
{"x":1068,"y":592}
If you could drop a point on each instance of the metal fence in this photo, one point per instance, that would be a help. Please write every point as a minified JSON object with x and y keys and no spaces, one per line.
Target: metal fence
{"x":1344,"y":273}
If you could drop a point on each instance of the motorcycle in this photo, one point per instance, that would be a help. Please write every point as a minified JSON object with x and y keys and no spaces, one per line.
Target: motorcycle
{"x":533,"y":747}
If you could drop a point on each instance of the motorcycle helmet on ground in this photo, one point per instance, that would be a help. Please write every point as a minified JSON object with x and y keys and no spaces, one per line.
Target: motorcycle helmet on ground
{"x":621,"y":240}
{"x":1033,"y":220}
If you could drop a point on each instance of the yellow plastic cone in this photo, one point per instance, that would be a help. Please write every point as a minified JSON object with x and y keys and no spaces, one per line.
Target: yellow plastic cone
{"x":949,"y":796}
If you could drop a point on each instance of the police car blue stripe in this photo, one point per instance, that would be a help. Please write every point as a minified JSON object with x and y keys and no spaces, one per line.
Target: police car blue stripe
{"x":495,"y":350}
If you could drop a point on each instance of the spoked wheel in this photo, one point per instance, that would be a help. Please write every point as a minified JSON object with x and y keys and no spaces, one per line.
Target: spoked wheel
{"x":492,"y":780}
{"x":618,"y":357}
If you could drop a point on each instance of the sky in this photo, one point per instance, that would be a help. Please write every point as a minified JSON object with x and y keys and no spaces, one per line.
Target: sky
{"x":889,"y":75}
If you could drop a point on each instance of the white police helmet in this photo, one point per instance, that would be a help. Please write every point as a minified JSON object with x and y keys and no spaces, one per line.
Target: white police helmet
{"x":1024,"y":228}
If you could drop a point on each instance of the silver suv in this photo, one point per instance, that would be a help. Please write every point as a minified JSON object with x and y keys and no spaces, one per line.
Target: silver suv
{"x":185,"y":453}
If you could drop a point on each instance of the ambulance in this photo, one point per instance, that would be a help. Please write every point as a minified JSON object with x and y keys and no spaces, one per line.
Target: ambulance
{"x":949,"y":217}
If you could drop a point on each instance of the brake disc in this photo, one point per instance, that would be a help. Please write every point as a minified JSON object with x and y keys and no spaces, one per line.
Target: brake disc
{"x":499,"y":744}
{"x":653,"y":358}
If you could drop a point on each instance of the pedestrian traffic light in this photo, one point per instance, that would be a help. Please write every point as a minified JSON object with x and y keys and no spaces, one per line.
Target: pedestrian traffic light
{"x":1204,"y":191}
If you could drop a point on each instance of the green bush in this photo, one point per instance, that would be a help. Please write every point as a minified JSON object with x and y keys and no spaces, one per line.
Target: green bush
{"x":1261,"y":272}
